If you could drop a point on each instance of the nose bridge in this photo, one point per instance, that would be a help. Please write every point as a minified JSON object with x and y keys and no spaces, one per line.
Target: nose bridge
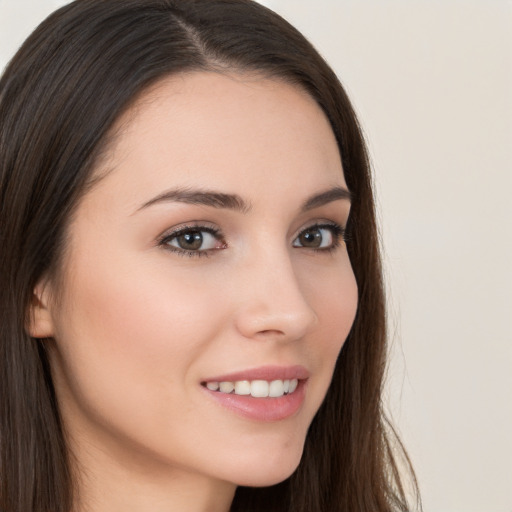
{"x":273,"y":302}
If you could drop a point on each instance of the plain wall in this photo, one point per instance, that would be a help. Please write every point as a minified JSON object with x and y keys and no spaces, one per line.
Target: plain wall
{"x":432,"y":82}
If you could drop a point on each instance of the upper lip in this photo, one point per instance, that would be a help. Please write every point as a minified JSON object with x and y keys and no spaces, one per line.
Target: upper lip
{"x":270,"y":372}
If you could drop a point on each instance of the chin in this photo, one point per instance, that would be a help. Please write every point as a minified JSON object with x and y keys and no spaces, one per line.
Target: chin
{"x":271,"y":471}
{"x":266,"y":479}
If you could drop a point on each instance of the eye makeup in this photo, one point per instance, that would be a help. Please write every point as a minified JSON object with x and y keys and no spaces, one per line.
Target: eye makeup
{"x":322,"y":237}
{"x":198,"y":240}
{"x":190,"y":240}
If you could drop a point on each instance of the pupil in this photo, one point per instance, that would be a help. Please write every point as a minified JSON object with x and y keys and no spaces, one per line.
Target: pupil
{"x":311,"y":238}
{"x":190,"y":240}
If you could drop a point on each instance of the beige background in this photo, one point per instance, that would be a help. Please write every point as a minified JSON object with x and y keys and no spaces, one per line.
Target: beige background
{"x":432,"y":81}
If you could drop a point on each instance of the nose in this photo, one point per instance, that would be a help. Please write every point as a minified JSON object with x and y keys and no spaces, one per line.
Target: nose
{"x":271,"y":303}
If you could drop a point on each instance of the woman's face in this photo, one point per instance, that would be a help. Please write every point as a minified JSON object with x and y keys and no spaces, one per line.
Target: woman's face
{"x":211,"y":253}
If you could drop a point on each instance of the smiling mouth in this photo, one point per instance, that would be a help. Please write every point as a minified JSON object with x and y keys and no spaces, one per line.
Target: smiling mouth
{"x":254,"y":388}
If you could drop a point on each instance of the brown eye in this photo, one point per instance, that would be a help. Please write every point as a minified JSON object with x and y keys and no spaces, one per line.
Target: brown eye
{"x":319,"y":237}
{"x":311,"y":238}
{"x":194,"y":240}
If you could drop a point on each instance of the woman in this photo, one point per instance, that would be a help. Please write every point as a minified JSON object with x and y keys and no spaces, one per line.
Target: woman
{"x":192,"y":307}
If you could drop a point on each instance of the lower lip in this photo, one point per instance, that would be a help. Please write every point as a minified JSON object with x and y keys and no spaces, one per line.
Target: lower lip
{"x":262,"y":409}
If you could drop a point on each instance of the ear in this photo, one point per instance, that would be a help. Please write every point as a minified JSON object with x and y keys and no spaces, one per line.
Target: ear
{"x":40,"y":323}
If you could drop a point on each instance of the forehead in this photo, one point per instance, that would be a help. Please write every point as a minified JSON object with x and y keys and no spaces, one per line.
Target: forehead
{"x":222,"y":131}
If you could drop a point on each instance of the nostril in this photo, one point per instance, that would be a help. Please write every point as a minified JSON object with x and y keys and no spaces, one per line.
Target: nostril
{"x":271,"y":332}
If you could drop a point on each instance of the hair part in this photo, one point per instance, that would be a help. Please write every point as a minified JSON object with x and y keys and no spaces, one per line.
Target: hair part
{"x":60,"y":98}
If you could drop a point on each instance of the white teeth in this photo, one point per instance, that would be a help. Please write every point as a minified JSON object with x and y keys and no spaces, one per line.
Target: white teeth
{"x":226,"y":387}
{"x":255,"y":388}
{"x":276,"y":388}
{"x":214,"y":386}
{"x":259,"y":388}
{"x":242,"y":387}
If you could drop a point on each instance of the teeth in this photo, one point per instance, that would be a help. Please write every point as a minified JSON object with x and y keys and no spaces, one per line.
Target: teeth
{"x":293,"y":385}
{"x":226,"y":387}
{"x":256,"y":388}
{"x":259,"y":388}
{"x":242,"y":387}
{"x":276,"y":388}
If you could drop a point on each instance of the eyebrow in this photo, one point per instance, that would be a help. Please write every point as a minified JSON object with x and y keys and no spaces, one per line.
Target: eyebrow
{"x":202,"y":197}
{"x":333,"y":194}
{"x":235,"y":202}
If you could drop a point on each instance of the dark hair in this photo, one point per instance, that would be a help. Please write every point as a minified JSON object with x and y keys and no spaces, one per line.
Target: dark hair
{"x":59,"y":97}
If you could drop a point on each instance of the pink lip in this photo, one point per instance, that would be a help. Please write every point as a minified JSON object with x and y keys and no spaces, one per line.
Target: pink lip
{"x":264,"y":373}
{"x":262,"y":409}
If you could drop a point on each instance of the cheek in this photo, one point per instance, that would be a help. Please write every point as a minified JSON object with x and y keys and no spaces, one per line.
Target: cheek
{"x":342,"y":309}
{"x":334,"y":297}
{"x":126,"y":338}
{"x":131,"y":320}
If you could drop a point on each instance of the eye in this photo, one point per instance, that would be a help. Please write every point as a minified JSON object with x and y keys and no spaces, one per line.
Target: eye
{"x":320,"y":236}
{"x":193,"y":241}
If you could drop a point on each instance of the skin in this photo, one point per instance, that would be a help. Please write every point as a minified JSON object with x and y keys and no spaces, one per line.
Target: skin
{"x":138,"y":326}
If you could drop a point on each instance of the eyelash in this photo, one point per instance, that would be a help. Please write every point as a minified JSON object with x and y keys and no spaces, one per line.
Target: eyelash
{"x":168,"y":237}
{"x":339,"y":235}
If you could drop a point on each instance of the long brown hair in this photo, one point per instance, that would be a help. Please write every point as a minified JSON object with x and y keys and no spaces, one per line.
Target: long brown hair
{"x":59,"y":97}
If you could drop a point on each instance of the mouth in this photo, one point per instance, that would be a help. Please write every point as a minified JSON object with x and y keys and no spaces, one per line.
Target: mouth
{"x":264,"y":394}
{"x":255,"y":388}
